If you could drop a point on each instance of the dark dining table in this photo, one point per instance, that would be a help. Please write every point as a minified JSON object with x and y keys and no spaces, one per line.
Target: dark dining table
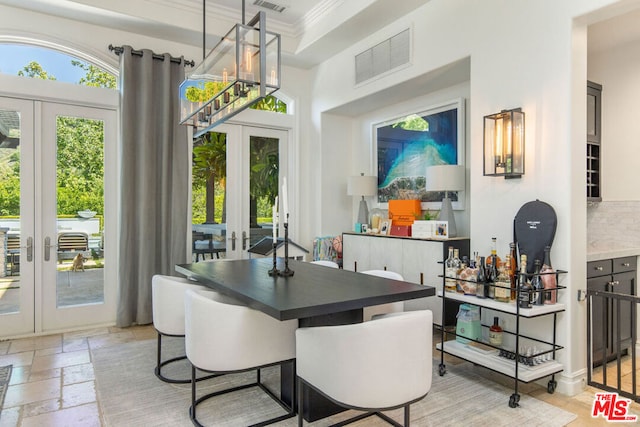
{"x":315,"y":295}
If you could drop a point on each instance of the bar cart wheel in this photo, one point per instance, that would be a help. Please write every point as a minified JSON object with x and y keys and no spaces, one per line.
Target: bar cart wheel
{"x":442,"y":369}
{"x":513,"y":400}
{"x":551,"y":386}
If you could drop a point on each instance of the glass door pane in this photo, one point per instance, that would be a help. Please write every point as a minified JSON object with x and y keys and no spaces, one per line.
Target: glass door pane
{"x":209,"y":196}
{"x":79,"y":211}
{"x":264,"y":165}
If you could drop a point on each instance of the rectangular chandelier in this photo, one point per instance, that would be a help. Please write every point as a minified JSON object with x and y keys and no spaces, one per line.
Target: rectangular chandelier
{"x":242,"y":69}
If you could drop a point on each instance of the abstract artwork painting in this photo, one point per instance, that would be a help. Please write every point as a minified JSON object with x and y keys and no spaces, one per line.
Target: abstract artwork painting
{"x":407,"y":145}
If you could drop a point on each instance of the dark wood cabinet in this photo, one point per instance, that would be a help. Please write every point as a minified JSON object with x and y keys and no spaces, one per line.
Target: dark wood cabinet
{"x":594,"y":146}
{"x":611,"y":318}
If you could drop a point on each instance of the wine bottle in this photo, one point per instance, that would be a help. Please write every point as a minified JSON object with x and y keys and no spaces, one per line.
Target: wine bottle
{"x":524,"y":287}
{"x":450,"y":273}
{"x":513,"y":270}
{"x":481,"y":280}
{"x":495,"y":332}
{"x":503,"y":284}
{"x":549,"y":279}
{"x":537,"y":285}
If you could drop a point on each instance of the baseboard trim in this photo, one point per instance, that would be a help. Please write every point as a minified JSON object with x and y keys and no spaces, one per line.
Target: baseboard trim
{"x":570,"y":385}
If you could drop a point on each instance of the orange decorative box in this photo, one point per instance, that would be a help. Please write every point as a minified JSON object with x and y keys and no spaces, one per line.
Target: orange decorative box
{"x":404,"y":212}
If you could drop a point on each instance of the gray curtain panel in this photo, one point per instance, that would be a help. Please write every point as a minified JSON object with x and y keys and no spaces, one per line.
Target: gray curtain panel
{"x":155,"y":166}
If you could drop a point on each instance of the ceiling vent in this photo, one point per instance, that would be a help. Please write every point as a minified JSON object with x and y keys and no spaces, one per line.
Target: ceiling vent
{"x":385,"y":56}
{"x":269,"y":5}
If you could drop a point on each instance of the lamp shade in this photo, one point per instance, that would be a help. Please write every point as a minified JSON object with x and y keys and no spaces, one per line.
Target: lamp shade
{"x":362,"y":185}
{"x":445,"y":178}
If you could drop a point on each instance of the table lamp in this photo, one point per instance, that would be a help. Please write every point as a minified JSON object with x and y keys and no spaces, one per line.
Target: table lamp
{"x":362,"y":186}
{"x":446,"y":178}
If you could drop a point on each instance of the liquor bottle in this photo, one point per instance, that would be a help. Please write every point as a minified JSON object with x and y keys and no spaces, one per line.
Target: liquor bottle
{"x":503,"y":284}
{"x":524,"y":287}
{"x":513,"y":270}
{"x":457,"y":263}
{"x":492,"y":269}
{"x":537,"y":285}
{"x":549,"y":279}
{"x":495,"y":333}
{"x":481,"y":280}
{"x":493,"y":258}
{"x":450,"y":272}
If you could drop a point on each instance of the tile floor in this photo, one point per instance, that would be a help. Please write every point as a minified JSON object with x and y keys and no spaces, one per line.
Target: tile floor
{"x":52,"y":383}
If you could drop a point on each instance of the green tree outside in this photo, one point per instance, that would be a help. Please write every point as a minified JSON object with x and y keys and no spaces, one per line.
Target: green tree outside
{"x":80,"y":158}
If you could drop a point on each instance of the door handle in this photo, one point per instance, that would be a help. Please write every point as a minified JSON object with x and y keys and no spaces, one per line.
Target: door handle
{"x":233,"y":241}
{"x":244,"y":240}
{"x":47,"y":248}
{"x":29,"y":249}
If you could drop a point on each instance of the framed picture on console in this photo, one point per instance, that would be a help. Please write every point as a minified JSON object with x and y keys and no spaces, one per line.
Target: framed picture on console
{"x":405,"y":145}
{"x":385,"y":227}
{"x":441,"y":230}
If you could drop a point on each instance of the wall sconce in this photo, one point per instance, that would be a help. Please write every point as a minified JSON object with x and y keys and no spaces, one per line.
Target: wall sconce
{"x":362,"y":186}
{"x":504,"y":144}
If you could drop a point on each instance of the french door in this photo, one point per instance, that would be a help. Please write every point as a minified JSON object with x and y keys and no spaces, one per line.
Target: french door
{"x":56,"y":212}
{"x":255,"y":165}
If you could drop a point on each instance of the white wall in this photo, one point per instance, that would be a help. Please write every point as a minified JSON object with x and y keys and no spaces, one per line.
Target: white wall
{"x":618,"y":71}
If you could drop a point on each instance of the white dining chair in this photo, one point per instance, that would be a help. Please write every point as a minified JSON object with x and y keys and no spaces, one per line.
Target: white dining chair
{"x":372,"y":366}
{"x":394,"y":307}
{"x":167,"y":296}
{"x":326,"y":263}
{"x":249,"y":340}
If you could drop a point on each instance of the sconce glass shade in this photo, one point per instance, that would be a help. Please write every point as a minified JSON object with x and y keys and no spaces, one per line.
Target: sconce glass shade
{"x":243,"y":68}
{"x":504,"y":144}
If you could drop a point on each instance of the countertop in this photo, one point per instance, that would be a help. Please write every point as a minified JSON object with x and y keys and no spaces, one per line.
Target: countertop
{"x":605,"y":250}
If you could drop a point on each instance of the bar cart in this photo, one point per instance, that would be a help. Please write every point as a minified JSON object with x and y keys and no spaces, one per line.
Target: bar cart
{"x":522,"y":366}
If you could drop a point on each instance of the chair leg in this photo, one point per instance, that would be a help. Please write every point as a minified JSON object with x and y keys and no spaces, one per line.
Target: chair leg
{"x":300,"y":398}
{"x":160,"y":364}
{"x":192,"y":410}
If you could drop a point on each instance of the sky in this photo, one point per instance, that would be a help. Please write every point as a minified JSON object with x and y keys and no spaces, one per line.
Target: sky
{"x":14,"y":58}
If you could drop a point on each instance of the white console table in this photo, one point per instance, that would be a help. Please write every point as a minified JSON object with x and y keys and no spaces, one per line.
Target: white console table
{"x":418,"y":260}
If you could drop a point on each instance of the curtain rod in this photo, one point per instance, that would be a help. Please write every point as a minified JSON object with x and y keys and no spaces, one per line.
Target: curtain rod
{"x":119,"y":49}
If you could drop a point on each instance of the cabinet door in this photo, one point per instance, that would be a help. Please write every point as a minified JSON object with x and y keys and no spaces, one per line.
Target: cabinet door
{"x":421,"y":261}
{"x":356,"y":252}
{"x":622,"y":283}
{"x":386,"y":254}
{"x":599,"y":319}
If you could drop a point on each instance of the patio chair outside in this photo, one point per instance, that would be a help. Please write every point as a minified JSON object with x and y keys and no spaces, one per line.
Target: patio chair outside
{"x":71,"y":244}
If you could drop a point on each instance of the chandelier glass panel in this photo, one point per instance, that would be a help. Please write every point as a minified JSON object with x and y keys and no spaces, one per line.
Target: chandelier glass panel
{"x":242,"y":69}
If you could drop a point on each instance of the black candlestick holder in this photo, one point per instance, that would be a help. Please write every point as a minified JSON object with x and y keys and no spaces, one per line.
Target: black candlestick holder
{"x":287,"y":271}
{"x":274,"y":271}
